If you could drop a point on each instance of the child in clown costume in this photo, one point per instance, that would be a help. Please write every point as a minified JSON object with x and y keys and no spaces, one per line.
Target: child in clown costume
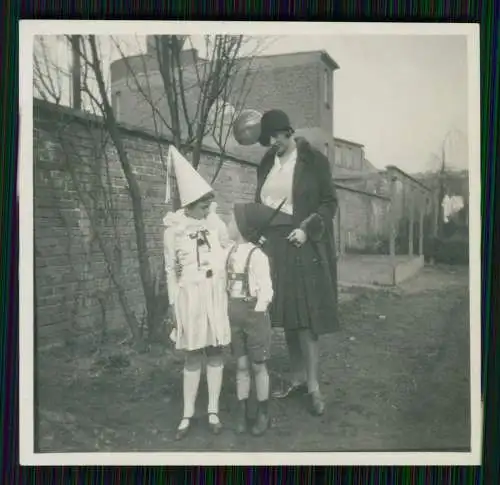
{"x":194,"y":247}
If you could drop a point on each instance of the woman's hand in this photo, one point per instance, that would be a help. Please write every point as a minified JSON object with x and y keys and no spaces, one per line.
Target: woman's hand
{"x":297,"y":237}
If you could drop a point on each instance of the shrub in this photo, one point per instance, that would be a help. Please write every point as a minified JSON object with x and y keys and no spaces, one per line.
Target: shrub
{"x":454,"y":250}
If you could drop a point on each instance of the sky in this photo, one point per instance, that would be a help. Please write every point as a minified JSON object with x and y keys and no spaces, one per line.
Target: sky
{"x":401,"y":96}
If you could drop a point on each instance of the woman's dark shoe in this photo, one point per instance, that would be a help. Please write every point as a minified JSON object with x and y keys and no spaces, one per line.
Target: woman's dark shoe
{"x":262,"y":423}
{"x":215,"y":425}
{"x":242,"y":418}
{"x":290,"y":389}
{"x":317,"y":403}
{"x":182,"y":432}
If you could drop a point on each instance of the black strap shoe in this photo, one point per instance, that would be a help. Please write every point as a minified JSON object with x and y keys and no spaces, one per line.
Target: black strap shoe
{"x":181,"y":433}
{"x":215,"y":428}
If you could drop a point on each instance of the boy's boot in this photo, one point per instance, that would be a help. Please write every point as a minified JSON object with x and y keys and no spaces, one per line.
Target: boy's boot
{"x":242,"y":416}
{"x":263,"y":420}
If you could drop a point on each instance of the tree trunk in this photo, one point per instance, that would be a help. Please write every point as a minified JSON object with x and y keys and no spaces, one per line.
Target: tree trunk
{"x":76,"y":76}
{"x":133,"y":188}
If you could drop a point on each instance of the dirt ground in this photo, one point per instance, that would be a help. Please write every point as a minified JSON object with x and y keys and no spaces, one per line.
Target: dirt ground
{"x":395,"y":377}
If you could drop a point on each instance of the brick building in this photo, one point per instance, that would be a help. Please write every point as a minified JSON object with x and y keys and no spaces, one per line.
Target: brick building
{"x":300,"y":83}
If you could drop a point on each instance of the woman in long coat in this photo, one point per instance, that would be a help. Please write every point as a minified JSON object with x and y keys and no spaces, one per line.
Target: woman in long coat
{"x":302,"y":252}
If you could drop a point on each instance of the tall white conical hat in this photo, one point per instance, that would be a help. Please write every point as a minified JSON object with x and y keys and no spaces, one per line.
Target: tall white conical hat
{"x":190,"y":183}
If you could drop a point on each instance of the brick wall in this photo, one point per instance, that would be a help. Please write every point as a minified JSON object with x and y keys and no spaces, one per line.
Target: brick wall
{"x":362,"y":218}
{"x":78,"y":180}
{"x":77,"y":173}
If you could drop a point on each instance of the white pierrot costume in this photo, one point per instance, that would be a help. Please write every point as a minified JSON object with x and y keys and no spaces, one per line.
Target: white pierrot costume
{"x":195,"y":264}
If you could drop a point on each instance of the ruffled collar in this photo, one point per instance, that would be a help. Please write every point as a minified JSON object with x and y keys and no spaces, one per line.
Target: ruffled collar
{"x":179,"y":220}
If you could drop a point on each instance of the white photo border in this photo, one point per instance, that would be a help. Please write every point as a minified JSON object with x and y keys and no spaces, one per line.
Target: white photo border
{"x":30,"y":28}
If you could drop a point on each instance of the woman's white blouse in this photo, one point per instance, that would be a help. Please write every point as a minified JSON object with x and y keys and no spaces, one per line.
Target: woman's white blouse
{"x":279,"y":183}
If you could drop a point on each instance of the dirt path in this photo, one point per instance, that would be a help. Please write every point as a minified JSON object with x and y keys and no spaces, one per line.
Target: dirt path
{"x":396,"y":377}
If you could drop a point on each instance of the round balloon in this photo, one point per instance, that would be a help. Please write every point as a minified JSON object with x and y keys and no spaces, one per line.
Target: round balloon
{"x":246,"y":127}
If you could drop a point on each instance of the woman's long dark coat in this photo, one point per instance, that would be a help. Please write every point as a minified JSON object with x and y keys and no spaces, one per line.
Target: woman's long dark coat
{"x":314,"y":208}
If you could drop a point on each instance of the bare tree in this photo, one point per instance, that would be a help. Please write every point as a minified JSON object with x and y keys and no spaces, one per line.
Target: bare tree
{"x":199,"y":101}
{"x":441,"y":173}
{"x":198,"y":109}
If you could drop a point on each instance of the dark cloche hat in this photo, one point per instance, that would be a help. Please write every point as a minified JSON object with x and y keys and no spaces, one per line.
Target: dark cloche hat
{"x":271,"y":122}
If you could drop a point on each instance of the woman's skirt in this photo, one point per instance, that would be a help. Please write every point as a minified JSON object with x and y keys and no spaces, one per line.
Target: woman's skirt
{"x":304,"y":284}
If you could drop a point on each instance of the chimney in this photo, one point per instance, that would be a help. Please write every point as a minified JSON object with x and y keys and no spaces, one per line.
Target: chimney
{"x":151,"y":42}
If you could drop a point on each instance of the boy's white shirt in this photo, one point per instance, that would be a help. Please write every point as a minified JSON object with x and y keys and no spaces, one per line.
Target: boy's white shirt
{"x":259,"y":273}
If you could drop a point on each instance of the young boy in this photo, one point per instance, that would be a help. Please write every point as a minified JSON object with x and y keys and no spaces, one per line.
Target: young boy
{"x":250,"y":293}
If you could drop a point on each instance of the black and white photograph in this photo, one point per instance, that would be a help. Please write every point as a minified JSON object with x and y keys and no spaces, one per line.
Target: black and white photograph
{"x":249,"y":243}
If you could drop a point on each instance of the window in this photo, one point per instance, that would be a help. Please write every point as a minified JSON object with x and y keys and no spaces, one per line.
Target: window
{"x":116,"y":104}
{"x":326,"y":87}
{"x":350,"y":159}
{"x":338,"y":155}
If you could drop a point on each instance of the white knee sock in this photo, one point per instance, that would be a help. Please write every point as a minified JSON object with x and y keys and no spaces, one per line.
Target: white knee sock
{"x":242,"y":384}
{"x":190,"y":389}
{"x":214,"y":384}
{"x":261,"y":382}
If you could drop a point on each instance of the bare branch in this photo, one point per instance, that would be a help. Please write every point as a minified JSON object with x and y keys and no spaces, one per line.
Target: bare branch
{"x":182,"y":91}
{"x":147,"y":96}
{"x":164,"y":55}
{"x":46,"y":83}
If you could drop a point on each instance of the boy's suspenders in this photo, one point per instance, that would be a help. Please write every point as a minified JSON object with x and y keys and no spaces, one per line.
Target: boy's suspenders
{"x":246,"y":281}
{"x":242,"y":276}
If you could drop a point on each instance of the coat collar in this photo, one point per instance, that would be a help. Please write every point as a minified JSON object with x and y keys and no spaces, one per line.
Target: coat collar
{"x":303,"y":149}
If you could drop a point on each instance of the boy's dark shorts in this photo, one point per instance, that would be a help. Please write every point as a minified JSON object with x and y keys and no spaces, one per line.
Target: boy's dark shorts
{"x":250,"y":331}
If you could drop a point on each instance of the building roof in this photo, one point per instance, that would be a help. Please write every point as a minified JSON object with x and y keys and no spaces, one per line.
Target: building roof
{"x":137,"y":62}
{"x":369,"y":167}
{"x":322,"y":53}
{"x":349,"y":142}
{"x":406,"y":175}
